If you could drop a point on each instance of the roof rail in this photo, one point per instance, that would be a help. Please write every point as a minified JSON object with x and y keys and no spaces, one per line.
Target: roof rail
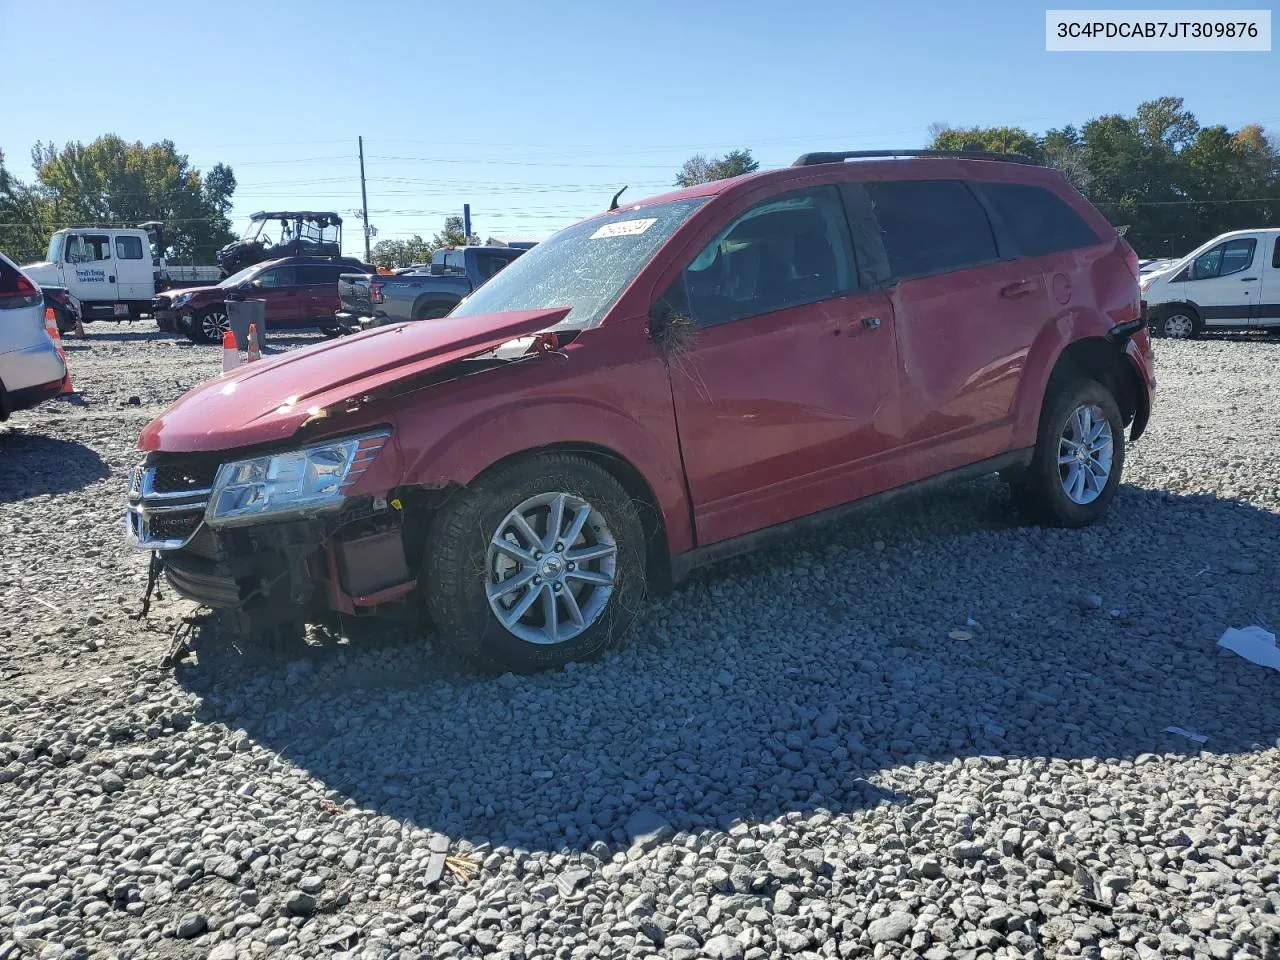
{"x":809,"y":159}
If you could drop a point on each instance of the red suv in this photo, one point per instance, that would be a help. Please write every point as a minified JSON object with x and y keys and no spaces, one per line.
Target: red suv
{"x":300,"y":293}
{"x":657,"y":387}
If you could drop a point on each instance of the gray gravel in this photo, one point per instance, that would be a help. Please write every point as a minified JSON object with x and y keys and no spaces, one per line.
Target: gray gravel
{"x":925,"y":733}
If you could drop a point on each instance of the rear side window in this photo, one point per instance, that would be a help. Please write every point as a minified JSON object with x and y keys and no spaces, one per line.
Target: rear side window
{"x":931,"y":226}
{"x":315,"y":274}
{"x":129,"y":248}
{"x":1038,"y":220}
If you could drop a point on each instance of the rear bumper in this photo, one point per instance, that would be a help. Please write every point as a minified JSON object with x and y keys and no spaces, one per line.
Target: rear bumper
{"x":32,"y":396}
{"x":32,"y":367}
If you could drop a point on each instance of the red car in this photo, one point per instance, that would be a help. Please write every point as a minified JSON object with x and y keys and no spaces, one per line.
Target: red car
{"x":300,"y":293}
{"x":659,"y":386}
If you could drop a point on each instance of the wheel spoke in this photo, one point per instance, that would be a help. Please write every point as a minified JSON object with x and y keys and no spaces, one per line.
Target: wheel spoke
{"x":522,"y":527}
{"x":550,"y":614}
{"x":595,"y":552}
{"x":1096,"y":433}
{"x":555,"y":521}
{"x":571,"y":604}
{"x":575,"y":527}
{"x":505,"y":587}
{"x":590,"y":576}
{"x":511,"y":617}
{"x":1084,"y":423}
{"x":513,"y":551}
{"x":1064,"y":459}
{"x":1075,"y":481}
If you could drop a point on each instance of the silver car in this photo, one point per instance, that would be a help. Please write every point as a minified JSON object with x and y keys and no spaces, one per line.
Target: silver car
{"x":31,"y":368}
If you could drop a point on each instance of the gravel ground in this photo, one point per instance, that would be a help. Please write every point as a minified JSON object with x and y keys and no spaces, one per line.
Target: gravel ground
{"x":928,"y":732}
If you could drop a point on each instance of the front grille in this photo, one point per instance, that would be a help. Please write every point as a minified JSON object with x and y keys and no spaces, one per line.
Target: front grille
{"x":180,"y":473}
{"x":174,"y":526}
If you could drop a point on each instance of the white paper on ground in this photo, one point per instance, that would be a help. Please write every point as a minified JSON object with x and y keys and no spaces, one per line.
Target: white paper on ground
{"x":1254,"y":644}
{"x":1189,"y":734}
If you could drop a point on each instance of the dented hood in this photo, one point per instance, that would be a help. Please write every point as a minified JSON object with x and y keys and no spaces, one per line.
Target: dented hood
{"x":268,"y":400}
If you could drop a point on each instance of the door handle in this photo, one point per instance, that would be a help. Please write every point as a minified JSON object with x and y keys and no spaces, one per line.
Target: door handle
{"x":871,"y":323}
{"x":1013,"y":290}
{"x":1247,"y":279}
{"x":111,"y":279}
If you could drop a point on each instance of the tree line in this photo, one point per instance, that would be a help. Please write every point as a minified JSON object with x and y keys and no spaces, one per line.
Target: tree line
{"x":113,"y":182}
{"x":1171,"y":181}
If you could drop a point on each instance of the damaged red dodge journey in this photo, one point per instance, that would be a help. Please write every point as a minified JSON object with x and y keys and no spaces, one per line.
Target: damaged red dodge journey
{"x":654,"y":388}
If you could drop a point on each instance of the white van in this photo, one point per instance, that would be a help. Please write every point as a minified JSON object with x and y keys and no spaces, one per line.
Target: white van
{"x":112,"y":271}
{"x":1230,"y":283}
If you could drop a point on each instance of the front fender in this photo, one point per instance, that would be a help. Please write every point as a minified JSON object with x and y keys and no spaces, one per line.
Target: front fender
{"x":473,"y":445}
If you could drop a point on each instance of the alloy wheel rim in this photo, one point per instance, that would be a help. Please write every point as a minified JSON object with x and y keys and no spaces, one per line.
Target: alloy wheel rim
{"x":1085,"y":454}
{"x":550,"y":568}
{"x":215,"y":325}
{"x":1178,"y":327}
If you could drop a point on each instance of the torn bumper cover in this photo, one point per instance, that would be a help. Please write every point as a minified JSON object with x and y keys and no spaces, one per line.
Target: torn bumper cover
{"x":231,"y":535}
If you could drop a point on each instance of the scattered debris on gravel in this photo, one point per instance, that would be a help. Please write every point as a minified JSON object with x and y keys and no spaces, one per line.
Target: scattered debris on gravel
{"x":929,"y":732}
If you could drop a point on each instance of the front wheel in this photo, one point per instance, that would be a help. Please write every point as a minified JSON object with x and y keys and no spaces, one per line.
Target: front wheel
{"x":1180,"y":324}
{"x":536,"y":564}
{"x":1078,"y":459}
{"x":209,"y":326}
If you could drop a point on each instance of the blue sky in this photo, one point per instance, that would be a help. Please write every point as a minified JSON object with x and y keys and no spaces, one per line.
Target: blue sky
{"x":536,"y":112}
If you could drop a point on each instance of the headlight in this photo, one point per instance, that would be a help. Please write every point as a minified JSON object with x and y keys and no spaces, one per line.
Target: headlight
{"x":310,"y":480}
{"x":1145,"y":284}
{"x":180,"y":299}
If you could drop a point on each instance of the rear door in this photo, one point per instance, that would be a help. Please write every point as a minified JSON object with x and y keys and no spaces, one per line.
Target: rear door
{"x":784,"y":376}
{"x":966,"y":320}
{"x":283,"y":295}
{"x":319,"y":291}
{"x":1225,"y":282}
{"x":134,"y":272}
{"x":1267,"y":311}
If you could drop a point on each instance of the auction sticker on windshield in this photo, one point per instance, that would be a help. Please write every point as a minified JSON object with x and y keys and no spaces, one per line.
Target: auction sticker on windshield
{"x":624,"y":228}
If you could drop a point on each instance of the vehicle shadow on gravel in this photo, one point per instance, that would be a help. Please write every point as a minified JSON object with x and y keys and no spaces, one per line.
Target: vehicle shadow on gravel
{"x":32,"y":465}
{"x":806,"y":679}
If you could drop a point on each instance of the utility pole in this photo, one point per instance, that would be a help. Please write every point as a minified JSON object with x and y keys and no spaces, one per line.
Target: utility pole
{"x":364,"y":199}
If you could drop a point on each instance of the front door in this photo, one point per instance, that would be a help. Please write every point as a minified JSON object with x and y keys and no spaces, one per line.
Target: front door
{"x":91,"y":274}
{"x":1225,"y":282}
{"x":283,"y":295}
{"x":783,"y":372}
{"x":135,"y":279}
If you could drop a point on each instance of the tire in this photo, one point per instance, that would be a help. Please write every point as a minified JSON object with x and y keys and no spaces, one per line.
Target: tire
{"x":203,"y":326}
{"x":332,"y":332}
{"x":1067,"y":494}
{"x":1180,"y":323}
{"x":461,"y":567}
{"x":434,"y":311}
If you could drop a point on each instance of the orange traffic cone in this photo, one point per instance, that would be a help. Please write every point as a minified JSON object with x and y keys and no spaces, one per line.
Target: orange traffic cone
{"x":230,"y":352}
{"x":254,"y":352}
{"x":51,"y":327}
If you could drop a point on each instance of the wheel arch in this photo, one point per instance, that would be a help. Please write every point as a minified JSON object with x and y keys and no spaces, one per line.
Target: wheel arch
{"x":434,"y":299}
{"x":1097,"y":358}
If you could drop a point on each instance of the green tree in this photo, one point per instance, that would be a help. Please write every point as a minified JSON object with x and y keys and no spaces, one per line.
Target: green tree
{"x":698,"y":169}
{"x":24,"y":231}
{"x":986,"y":139}
{"x":402,"y":253}
{"x":451,"y":235}
{"x":113,"y":181}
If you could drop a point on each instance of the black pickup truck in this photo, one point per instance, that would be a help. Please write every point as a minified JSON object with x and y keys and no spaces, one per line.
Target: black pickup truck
{"x":424,"y":292}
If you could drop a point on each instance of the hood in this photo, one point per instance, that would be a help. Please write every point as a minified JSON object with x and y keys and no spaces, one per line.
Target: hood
{"x":268,"y":400}
{"x":42,"y":271}
{"x":195,"y":292}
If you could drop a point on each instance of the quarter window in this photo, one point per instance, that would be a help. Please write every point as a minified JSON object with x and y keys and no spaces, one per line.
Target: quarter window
{"x":1226,"y":258}
{"x":788,"y":251}
{"x":931,"y":226}
{"x":129,"y":248}
{"x":94,"y":248}
{"x":1038,"y":220}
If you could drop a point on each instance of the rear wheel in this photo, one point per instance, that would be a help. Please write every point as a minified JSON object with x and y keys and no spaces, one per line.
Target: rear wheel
{"x":208,"y":327}
{"x":539,"y":563}
{"x":1078,"y":459}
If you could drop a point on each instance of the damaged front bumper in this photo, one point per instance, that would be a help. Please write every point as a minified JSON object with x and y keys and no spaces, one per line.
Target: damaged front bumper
{"x":265,"y":574}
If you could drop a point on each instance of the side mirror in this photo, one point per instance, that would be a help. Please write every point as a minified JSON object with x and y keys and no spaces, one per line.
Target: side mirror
{"x":256,"y":284}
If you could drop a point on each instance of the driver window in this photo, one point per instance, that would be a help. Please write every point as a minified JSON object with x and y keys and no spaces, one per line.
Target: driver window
{"x":788,"y":251}
{"x":75,"y":249}
{"x":1224,"y":259}
{"x":279,"y":277}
